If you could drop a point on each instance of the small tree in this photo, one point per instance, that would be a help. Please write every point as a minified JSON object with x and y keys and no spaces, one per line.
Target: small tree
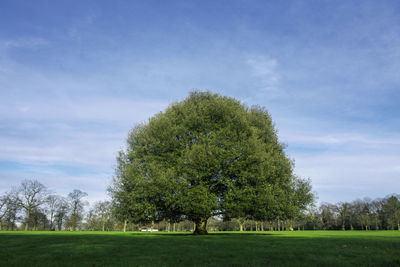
{"x":38,"y":219}
{"x":327,"y":216}
{"x":4,"y":207}
{"x":76,"y":205}
{"x":342,"y":210}
{"x":53,"y":203}
{"x":9,"y":206}
{"x":101,"y":214}
{"x":61,"y":213}
{"x":391,"y":212}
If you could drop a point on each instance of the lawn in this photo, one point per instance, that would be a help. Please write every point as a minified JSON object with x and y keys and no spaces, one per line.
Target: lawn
{"x":302,"y":248}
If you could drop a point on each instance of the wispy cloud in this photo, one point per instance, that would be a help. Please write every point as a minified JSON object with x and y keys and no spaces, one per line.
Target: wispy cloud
{"x":25,"y":42}
{"x":341,"y":139}
{"x":345,"y":176}
{"x":94,"y":109}
{"x":95,"y":184}
{"x":78,"y":28}
{"x":345,"y":165}
{"x":264,"y":69}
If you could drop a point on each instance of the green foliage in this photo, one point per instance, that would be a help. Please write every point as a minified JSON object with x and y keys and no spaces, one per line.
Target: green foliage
{"x":207,"y":155}
{"x":391,"y":212}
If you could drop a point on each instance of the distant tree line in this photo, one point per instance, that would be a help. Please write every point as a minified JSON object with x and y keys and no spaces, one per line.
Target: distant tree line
{"x":366,"y":214}
{"x":32,"y":206}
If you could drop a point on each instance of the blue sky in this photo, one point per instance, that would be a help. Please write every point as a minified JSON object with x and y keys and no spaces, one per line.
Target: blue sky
{"x":75,"y":76}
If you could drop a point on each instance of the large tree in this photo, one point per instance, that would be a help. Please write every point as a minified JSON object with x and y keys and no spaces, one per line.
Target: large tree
{"x":204,"y":156}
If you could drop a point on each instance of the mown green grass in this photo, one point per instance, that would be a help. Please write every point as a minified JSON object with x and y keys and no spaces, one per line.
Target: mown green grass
{"x":303,"y":248}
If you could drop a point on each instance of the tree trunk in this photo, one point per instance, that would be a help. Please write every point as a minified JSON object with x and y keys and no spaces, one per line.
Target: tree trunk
{"x":28,"y":214}
{"x":262,"y":226}
{"x":279,"y":225}
{"x":125,"y":223}
{"x":51,"y":221}
{"x":201,"y":227}
{"x":241,"y":227}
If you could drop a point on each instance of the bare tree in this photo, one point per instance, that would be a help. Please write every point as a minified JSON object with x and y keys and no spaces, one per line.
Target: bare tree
{"x":4,"y":206}
{"x":54,"y":203}
{"x":343,"y":211}
{"x":100,"y":217}
{"x":103,"y":211}
{"x":76,"y":207}
{"x":32,"y":195}
{"x":38,"y":219}
{"x":4,"y":200}
{"x":327,"y":214}
{"x":61,"y":213}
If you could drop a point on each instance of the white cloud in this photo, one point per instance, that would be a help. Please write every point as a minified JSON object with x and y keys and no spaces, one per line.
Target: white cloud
{"x":339,"y":139}
{"x":345,"y":177}
{"x":96,"y":151}
{"x":94,"y":184}
{"x":88,"y":131}
{"x":23,"y":42}
{"x":346,"y":166}
{"x":264,"y":69}
{"x":93,"y":109}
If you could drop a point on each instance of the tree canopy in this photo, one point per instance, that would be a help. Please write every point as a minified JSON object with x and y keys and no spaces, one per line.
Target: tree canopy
{"x":207,"y":155}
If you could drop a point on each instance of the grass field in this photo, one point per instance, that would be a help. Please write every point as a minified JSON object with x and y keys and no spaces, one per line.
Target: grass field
{"x":303,"y":248}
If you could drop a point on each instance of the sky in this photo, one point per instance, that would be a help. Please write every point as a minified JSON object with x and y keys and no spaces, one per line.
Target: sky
{"x":76,"y":76}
